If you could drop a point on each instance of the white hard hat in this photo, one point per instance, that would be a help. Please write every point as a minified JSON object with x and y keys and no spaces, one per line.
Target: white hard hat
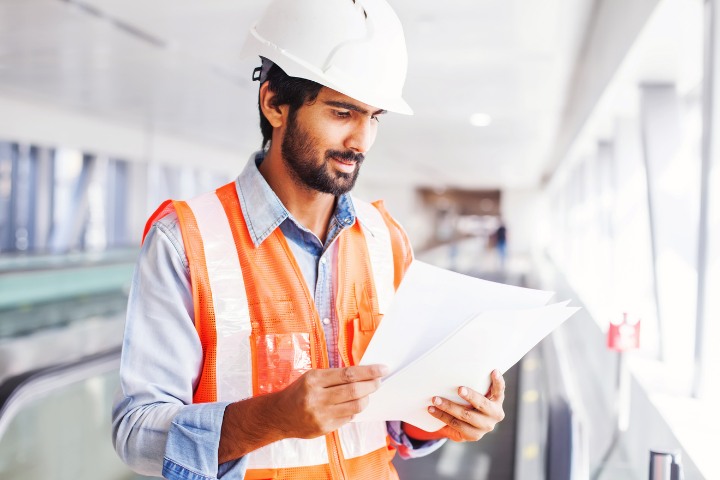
{"x":356,"y":47}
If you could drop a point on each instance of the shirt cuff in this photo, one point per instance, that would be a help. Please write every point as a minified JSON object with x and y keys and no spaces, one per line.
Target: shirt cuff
{"x":191,"y":452}
{"x":408,"y":448}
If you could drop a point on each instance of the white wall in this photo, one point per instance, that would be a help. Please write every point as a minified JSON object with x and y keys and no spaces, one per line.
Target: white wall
{"x":612,"y":28}
{"x":522,"y":212}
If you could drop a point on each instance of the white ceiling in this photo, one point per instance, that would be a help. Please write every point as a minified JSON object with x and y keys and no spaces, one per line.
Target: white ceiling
{"x":173,"y":66}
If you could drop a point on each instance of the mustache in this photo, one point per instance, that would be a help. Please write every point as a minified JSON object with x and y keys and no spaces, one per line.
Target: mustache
{"x":347,"y":155}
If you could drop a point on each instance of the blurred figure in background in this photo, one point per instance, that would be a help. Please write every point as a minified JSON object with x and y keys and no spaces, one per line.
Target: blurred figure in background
{"x":499,"y":238}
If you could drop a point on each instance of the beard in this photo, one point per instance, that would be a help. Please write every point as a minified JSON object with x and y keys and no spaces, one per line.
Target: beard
{"x":312,"y":170}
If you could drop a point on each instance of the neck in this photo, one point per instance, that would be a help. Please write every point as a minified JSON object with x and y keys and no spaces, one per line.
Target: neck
{"x":312,"y":209}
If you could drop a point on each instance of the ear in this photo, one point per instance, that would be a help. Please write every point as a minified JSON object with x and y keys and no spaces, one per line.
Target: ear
{"x":276,"y":114}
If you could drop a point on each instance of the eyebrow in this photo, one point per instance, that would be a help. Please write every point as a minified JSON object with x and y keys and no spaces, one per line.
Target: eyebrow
{"x":350,"y":106}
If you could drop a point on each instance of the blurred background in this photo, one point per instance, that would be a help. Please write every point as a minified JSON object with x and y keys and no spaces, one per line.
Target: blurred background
{"x":568,"y":145}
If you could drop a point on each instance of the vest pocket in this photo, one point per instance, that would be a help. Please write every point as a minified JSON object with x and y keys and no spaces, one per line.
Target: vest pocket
{"x":362,"y":328}
{"x":280,"y":359}
{"x":361,"y":332}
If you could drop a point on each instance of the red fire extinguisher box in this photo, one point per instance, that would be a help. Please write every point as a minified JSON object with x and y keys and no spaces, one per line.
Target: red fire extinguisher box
{"x":624,"y":333}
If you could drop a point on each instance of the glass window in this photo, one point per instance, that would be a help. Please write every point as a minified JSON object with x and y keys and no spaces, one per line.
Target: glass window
{"x":67,"y":171}
{"x":5,"y":192}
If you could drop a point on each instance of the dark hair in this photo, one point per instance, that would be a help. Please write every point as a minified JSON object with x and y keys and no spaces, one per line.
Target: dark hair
{"x":288,"y":90}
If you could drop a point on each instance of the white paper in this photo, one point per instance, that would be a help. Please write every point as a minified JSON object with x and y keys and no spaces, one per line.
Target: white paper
{"x":484,"y":326}
{"x":430,"y":304}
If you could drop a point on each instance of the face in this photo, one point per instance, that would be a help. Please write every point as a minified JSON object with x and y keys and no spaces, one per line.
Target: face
{"x":325,"y":143}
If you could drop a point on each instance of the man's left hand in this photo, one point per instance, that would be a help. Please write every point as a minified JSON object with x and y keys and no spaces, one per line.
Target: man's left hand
{"x":469,"y":423}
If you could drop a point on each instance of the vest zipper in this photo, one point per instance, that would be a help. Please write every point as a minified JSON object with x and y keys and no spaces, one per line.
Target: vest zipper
{"x":334,"y":455}
{"x":342,"y":295}
{"x":337,"y":455}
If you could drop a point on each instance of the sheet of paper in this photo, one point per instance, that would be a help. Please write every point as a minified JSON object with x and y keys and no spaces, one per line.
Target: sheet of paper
{"x":493,"y":339}
{"x":430,"y":304}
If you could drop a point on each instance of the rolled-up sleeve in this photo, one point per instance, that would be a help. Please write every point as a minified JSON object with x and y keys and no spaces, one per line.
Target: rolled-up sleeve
{"x":410,"y":448}
{"x":191,"y":451}
{"x":156,"y":428}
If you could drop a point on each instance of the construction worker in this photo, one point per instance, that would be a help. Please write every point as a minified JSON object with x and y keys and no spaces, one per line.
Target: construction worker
{"x":252,"y":305}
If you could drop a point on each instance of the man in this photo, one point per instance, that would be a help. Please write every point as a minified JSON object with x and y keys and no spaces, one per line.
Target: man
{"x":501,"y":244}
{"x":252,"y":305}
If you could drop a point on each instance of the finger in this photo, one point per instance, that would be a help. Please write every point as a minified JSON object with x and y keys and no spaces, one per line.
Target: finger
{"x":466,"y":414}
{"x":497,"y":389}
{"x":349,"y":409}
{"x":491,"y":409}
{"x":351,"y":391}
{"x":359,"y":373}
{"x":479,"y":402}
{"x":457,"y":429}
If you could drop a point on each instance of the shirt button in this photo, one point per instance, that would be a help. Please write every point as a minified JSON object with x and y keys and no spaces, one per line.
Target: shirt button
{"x":348,"y":220}
{"x":323,"y":261}
{"x":326,"y":321}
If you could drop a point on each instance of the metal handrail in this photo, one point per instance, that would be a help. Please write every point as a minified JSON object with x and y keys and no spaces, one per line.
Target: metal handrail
{"x":23,"y":287}
{"x":39,"y":262}
{"x":19,"y":391}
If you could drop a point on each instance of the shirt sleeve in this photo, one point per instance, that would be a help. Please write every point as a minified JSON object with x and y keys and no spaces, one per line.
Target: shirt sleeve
{"x":156,"y":428}
{"x":410,"y":448}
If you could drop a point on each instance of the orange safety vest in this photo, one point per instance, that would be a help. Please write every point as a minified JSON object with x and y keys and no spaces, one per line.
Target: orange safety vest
{"x":260,"y":330}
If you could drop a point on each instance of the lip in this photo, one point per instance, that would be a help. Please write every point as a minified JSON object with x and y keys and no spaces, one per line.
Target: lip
{"x":345,"y":166}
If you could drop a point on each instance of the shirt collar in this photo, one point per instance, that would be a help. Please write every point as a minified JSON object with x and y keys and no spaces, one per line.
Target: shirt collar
{"x":263,"y":210}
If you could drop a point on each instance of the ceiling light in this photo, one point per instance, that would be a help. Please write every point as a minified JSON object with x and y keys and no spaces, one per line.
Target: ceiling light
{"x":480,"y":119}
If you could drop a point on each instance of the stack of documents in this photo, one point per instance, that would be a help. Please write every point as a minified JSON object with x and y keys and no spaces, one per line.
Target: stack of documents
{"x":445,"y":330}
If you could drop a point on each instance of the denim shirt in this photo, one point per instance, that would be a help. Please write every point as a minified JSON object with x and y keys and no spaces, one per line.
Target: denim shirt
{"x":157,"y":430}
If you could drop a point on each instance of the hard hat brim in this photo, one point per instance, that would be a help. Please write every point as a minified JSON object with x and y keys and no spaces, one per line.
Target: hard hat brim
{"x":296,"y":67}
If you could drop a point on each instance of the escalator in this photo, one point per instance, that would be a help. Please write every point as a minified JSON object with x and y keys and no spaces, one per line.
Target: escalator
{"x":61,"y":323}
{"x":55,"y":422}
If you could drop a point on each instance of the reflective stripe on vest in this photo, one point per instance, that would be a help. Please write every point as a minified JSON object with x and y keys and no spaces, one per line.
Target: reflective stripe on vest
{"x":232,"y":318}
{"x":229,"y":361}
{"x":380,"y":249}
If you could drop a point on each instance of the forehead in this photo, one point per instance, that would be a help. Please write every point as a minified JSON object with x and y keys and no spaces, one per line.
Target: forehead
{"x":327,"y":94}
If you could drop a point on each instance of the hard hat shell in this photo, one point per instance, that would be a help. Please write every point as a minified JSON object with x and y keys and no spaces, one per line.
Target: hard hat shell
{"x":356,"y":47}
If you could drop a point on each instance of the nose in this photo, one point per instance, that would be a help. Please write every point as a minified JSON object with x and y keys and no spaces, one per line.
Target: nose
{"x":362,"y":135}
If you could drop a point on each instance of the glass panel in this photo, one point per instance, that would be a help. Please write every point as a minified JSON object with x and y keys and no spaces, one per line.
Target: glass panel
{"x":96,"y":228}
{"x":5,"y":192}
{"x":633,"y":287}
{"x":675,"y":195}
{"x":711,"y":371}
{"x":68,"y":167}
{"x":65,"y":435}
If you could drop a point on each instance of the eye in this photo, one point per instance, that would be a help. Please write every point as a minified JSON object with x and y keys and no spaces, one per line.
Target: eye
{"x":342,"y":113}
{"x":376,"y":118}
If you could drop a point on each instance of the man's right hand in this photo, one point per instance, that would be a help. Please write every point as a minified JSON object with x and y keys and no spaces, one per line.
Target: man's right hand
{"x":321,"y":401}
{"x":317,"y":403}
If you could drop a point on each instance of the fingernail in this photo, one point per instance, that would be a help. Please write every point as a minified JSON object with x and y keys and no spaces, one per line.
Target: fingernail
{"x":463,"y":392}
{"x":431,"y":409}
{"x":437,"y":401}
{"x":384,"y":370}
